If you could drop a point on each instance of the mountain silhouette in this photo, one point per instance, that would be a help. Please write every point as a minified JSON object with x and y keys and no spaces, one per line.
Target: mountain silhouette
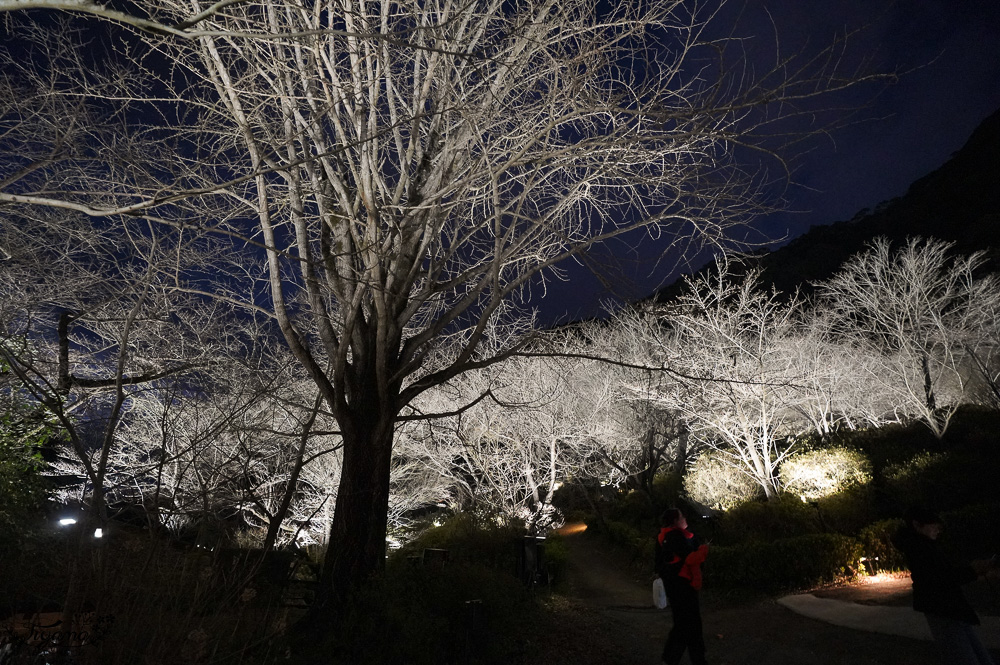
{"x":958,"y":202}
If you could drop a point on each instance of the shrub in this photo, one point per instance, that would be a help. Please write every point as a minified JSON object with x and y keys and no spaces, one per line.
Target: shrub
{"x":973,"y":428}
{"x":422,"y":616}
{"x":788,"y":563}
{"x":766,"y":520}
{"x":717,"y":484}
{"x":876,"y":543}
{"x":946,"y":481}
{"x":820,"y":473}
{"x":624,"y":535}
{"x":632,"y":541}
{"x":472,"y":540}
{"x":148,"y":595}
{"x":667,"y":489}
{"x":582,"y":495}
{"x":22,"y":487}
{"x":633,"y":507}
{"x":891,"y":444}
{"x":972,"y":531}
{"x":471,"y":609}
{"x":556,"y":557}
{"x":848,"y":511}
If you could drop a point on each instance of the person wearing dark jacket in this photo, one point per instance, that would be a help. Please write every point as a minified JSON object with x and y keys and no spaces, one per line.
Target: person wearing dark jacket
{"x":937,"y":589}
{"x":678,"y":563}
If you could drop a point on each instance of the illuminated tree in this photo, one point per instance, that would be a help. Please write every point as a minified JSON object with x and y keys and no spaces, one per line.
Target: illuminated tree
{"x":183,"y":28}
{"x":506,"y":454}
{"x":622,"y":362}
{"x":384,"y":179}
{"x":839,"y":390}
{"x":86,"y":327}
{"x":724,"y":350}
{"x":922,"y":312}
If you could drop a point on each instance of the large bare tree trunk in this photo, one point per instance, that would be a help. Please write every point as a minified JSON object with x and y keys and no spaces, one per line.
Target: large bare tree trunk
{"x":357,"y":542}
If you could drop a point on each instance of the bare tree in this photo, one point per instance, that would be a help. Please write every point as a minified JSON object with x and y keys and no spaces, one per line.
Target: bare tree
{"x":385,"y":179}
{"x":92,"y":337}
{"x":838,"y":379}
{"x":544,"y":420}
{"x":631,"y":369}
{"x":732,"y":377}
{"x":506,"y":454}
{"x":923,"y":312}
{"x":184,"y":28}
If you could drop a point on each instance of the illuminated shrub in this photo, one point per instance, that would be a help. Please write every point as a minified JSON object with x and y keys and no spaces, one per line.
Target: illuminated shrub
{"x":820,"y":473}
{"x":876,"y":543}
{"x":714,"y":483}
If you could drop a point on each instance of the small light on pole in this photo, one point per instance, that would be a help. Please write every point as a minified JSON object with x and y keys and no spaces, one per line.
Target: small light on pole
{"x":98,"y":532}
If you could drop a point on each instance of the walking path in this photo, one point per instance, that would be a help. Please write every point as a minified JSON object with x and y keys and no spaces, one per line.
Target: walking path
{"x":606,"y":618}
{"x":890,"y":620}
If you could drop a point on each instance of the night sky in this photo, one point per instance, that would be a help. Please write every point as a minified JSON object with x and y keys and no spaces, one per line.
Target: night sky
{"x":949,"y":54}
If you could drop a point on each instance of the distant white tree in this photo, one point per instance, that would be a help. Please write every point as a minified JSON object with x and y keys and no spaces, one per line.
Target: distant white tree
{"x":839,"y":390}
{"x":545,"y":420}
{"x":85,"y":340}
{"x":923,"y":313}
{"x":512,"y":449}
{"x":652,"y":436}
{"x":724,"y":346}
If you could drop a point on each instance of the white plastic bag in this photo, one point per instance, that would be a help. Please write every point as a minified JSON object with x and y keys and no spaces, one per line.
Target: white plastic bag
{"x":659,"y":594}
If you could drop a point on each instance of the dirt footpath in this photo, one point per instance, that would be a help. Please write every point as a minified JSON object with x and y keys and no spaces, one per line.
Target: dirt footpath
{"x":605,"y":616}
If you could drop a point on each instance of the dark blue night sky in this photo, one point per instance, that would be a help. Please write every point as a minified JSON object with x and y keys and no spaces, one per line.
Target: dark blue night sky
{"x":949,"y":52}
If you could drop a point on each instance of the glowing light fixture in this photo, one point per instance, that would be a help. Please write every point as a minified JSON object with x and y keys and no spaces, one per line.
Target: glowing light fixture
{"x":66,"y":521}
{"x":98,"y":532}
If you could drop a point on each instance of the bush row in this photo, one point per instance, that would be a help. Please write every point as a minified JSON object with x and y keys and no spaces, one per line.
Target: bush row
{"x":810,"y":560}
{"x":459,"y":613}
{"x":970,"y":532}
{"x":784,"y":564}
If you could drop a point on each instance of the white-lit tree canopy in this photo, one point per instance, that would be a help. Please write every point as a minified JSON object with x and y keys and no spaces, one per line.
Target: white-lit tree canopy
{"x":386,"y":183}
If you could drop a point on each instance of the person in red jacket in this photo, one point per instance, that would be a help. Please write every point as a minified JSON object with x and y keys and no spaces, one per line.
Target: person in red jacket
{"x":678,"y":563}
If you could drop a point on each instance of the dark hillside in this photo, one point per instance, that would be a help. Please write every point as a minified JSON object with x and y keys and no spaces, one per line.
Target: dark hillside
{"x":959,"y":202}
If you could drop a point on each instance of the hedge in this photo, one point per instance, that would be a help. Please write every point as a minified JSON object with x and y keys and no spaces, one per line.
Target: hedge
{"x":788,"y":563}
{"x":877,"y":545}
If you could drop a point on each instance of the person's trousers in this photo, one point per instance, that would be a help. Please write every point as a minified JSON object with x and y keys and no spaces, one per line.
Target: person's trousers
{"x":958,"y":642}
{"x":686,"y":635}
